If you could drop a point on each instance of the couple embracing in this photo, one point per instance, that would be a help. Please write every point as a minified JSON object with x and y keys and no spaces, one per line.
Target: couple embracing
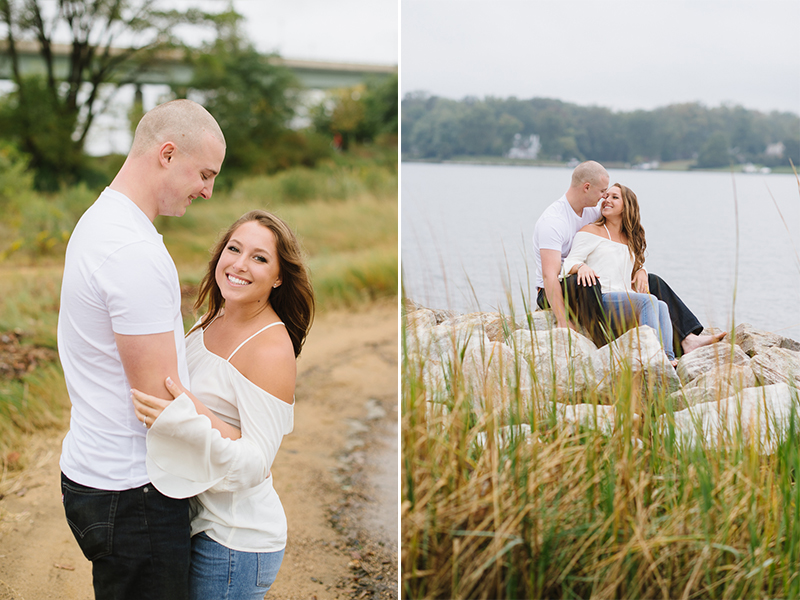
{"x":589,"y":248}
{"x":166,"y":479}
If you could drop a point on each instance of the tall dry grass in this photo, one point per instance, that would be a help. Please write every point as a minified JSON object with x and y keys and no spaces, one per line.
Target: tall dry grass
{"x":565,"y":513}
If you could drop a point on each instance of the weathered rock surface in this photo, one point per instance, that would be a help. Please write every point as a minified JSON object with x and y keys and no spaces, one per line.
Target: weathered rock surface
{"x":561,"y":359}
{"x":591,"y":416}
{"x":492,"y":324}
{"x":509,"y":367}
{"x":718,"y":382}
{"x":689,"y":397}
{"x":702,"y":360}
{"x":724,"y":380}
{"x":446,"y":340}
{"x":776,"y":365}
{"x":420,"y":318}
{"x":761,"y":415}
{"x":505,"y":435}
{"x":637,"y":351}
{"x":489,"y":366}
{"x":439,"y":314}
{"x":753,"y":341}
{"x":540,"y":320}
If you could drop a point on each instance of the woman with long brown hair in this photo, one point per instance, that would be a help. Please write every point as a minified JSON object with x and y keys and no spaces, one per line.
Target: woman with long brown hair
{"x":241,"y":356}
{"x":612,"y":250}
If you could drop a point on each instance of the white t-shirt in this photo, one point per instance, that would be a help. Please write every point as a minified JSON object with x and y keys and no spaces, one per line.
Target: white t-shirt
{"x":556,"y":229}
{"x":610,"y":260}
{"x":118,"y":278}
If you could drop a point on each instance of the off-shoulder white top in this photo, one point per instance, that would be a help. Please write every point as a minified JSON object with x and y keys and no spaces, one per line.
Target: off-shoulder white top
{"x":235,"y":502}
{"x":611,"y":261}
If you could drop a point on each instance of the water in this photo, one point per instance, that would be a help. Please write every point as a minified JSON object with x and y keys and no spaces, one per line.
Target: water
{"x":466,"y":234}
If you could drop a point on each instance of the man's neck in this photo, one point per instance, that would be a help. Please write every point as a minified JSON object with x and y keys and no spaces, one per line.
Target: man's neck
{"x":574,"y":199}
{"x":132,"y":183}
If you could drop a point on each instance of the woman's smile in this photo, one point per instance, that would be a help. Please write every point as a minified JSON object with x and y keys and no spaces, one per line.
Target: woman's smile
{"x":236,"y":280}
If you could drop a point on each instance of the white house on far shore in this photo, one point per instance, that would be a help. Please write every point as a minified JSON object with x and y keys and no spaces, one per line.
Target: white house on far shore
{"x":525,"y":147}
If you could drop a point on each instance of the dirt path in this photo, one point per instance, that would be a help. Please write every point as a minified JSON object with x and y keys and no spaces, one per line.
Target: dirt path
{"x":336,"y":475}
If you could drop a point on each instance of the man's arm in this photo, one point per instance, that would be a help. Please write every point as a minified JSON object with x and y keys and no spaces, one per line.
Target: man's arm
{"x":149,"y":359}
{"x":551,"y":266}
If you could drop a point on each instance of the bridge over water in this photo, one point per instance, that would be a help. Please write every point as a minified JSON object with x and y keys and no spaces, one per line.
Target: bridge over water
{"x":169,"y":68}
{"x":111,"y":134}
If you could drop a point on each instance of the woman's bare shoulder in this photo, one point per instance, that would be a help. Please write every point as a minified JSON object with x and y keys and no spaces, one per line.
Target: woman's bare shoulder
{"x":268,"y":361}
{"x":591,"y":228}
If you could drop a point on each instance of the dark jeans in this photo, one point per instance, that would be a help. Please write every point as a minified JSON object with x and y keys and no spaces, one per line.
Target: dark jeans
{"x":138,"y":540}
{"x":683,"y":320}
{"x":586,"y":307}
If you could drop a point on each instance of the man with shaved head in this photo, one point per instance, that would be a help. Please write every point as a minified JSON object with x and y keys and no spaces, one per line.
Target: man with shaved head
{"x":552,"y":240}
{"x":120,"y":326}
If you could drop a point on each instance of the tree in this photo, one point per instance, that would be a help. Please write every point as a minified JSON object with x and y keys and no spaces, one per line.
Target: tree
{"x":252,"y":98}
{"x":507,"y":128}
{"x":380,"y":107}
{"x":440,"y":128}
{"x":361,"y":113}
{"x":49,"y":116}
{"x":436,"y":134}
{"x":715,"y":152}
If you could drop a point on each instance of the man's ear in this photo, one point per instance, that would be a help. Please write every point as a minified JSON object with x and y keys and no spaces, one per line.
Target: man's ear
{"x":166,"y":153}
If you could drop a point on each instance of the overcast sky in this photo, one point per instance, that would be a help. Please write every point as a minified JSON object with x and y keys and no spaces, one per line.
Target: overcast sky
{"x":620,"y":54}
{"x":362,"y":31}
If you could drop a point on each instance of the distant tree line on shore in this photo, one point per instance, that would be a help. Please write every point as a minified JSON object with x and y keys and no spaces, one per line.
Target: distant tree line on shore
{"x":440,"y":128}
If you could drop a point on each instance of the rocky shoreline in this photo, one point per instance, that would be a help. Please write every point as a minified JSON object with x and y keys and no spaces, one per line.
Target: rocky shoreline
{"x":747,"y":384}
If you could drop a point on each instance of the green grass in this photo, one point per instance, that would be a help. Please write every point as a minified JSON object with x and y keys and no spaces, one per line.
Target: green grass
{"x":580,"y":514}
{"x":345,"y":215}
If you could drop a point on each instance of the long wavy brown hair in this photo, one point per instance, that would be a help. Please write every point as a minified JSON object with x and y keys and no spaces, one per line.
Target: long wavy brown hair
{"x":631,"y":226}
{"x":293,"y":299}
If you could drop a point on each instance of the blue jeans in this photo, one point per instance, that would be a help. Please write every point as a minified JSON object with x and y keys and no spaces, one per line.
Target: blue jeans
{"x":138,"y":540}
{"x":219,"y":573}
{"x":649,"y":310}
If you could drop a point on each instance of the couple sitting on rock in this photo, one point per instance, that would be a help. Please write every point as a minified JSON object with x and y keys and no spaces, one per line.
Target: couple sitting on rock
{"x":589,"y":248}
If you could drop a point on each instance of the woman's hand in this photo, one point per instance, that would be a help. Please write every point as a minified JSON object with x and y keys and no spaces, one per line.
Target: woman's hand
{"x":586,"y":275}
{"x":639,"y":282}
{"x":148,"y":407}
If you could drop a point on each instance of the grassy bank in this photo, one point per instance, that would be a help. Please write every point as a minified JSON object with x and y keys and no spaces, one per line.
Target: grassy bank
{"x":345,"y":216}
{"x":676,"y":165}
{"x":572,"y":512}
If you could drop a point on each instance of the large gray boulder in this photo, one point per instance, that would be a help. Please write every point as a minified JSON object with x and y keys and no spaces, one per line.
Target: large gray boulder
{"x":524,"y":372}
{"x":759,"y":416}
{"x":448,"y":340}
{"x":776,"y":365}
{"x":753,"y":341}
{"x":637,"y":352}
{"x":685,"y":397}
{"x":706,"y":358}
{"x":496,"y":381}
{"x":719,"y":382}
{"x":538,"y":320}
{"x":504,"y":436}
{"x":561,"y":359}
{"x":600,"y":417}
{"x":493,"y":325}
{"x":440,"y":314}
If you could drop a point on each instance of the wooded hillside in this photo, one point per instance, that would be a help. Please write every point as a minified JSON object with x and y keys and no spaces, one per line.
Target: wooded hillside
{"x":547,"y":129}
